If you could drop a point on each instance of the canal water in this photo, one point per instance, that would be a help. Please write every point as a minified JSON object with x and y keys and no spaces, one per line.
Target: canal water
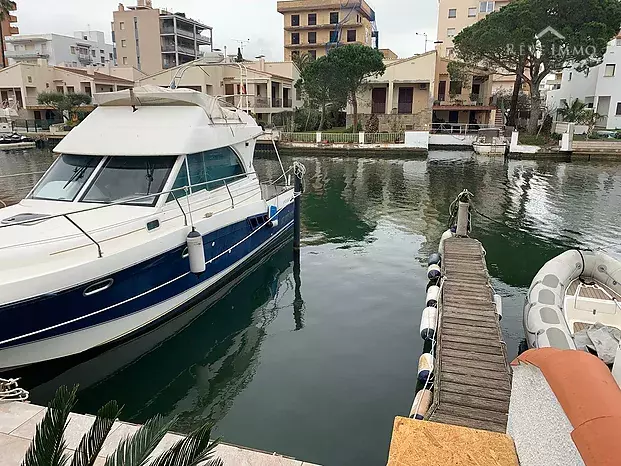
{"x":317,"y":364}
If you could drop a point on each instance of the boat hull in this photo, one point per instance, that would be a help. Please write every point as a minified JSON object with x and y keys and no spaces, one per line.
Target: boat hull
{"x":170,"y":290}
{"x":489,"y":149}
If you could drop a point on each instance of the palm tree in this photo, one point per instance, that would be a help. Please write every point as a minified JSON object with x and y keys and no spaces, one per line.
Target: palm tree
{"x":6,"y":6}
{"x":575,"y":112}
{"x":48,"y":446}
{"x":301,"y":60}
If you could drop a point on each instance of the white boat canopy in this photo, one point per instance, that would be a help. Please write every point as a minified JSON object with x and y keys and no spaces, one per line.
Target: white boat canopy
{"x":151,"y":120}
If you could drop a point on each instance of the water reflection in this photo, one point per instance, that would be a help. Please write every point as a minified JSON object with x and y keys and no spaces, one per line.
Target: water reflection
{"x":192,"y":371}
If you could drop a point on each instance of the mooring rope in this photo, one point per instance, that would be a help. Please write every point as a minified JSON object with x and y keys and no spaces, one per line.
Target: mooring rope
{"x":10,"y":391}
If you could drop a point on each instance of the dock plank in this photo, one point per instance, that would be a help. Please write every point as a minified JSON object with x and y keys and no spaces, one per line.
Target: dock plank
{"x":473,"y":378}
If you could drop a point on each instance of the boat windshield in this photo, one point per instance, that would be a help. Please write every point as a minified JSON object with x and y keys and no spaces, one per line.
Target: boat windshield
{"x":64,"y":180}
{"x":127,"y":178}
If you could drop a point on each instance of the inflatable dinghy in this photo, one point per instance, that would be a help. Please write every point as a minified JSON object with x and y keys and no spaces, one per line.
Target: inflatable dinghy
{"x":574,"y":293}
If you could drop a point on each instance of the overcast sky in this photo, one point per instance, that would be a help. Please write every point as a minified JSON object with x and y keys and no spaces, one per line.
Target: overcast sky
{"x":397,"y":20}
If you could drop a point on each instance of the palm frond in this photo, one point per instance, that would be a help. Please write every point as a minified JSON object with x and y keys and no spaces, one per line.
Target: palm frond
{"x":93,"y":440}
{"x":190,"y":451}
{"x":48,"y":446}
{"x":134,"y":450}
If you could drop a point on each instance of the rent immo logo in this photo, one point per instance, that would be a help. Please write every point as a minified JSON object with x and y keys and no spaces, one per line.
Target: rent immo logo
{"x":549,"y":30}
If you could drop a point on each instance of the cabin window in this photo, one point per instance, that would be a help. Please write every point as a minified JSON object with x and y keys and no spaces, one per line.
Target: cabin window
{"x":180,"y":182}
{"x":66,"y":178}
{"x":124,"y":179}
{"x":207,"y":169}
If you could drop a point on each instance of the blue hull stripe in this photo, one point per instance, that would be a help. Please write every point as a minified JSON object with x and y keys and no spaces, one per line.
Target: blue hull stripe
{"x":134,"y":289}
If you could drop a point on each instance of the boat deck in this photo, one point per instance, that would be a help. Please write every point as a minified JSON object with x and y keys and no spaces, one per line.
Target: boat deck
{"x":595,"y":290}
{"x":472,"y":381}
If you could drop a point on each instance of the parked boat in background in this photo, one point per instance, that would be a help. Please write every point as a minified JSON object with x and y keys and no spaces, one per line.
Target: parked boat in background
{"x":574,"y":302}
{"x":490,"y":141}
{"x":152,"y":205}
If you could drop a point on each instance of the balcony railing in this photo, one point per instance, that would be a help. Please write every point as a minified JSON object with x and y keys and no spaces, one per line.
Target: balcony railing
{"x":458,"y":128}
{"x":276,"y":103}
{"x":17,"y":54}
{"x":287,"y":103}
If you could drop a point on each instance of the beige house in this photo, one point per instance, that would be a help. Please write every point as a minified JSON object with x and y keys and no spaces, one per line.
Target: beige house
{"x":20,"y":84}
{"x":270,"y":86}
{"x":151,"y":40}
{"x":462,"y":103}
{"x":314,"y":26}
{"x":402,"y":98}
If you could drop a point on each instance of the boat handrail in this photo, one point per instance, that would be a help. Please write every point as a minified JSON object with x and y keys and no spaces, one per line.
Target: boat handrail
{"x":127,"y":201}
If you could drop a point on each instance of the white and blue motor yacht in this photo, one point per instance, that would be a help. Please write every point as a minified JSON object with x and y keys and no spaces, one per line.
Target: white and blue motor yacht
{"x":97,"y":252}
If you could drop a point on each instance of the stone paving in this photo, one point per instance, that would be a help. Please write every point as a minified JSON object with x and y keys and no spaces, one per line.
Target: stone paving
{"x":18,"y":422}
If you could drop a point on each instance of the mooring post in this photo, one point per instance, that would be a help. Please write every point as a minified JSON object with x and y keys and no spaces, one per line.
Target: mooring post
{"x":297,"y":191}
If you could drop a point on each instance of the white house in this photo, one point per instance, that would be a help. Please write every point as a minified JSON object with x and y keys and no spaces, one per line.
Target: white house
{"x":599,"y":87}
{"x":84,"y":48}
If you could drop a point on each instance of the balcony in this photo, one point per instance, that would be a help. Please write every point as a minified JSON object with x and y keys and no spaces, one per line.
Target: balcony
{"x":276,"y":103}
{"x":288,"y":103}
{"x":23,"y":55}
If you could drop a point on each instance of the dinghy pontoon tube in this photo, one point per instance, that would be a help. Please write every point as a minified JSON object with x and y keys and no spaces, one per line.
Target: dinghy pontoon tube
{"x":570,"y":293}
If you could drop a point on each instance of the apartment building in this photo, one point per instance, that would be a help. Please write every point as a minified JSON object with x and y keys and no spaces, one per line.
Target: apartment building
{"x":456,"y":15}
{"x":599,"y":88}
{"x":315,"y":26}
{"x":270,"y":86}
{"x":7,"y":29}
{"x":82,"y":49}
{"x":150,"y":39}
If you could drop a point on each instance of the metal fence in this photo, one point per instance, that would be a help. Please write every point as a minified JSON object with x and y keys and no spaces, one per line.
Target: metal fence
{"x":384,"y":138}
{"x":298,"y":137}
{"x":33,"y":126}
{"x":458,"y":128}
{"x":340,"y":138}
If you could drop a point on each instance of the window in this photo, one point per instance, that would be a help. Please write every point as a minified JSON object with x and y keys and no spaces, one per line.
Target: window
{"x":571,"y":75}
{"x":110,"y":56}
{"x":312,"y":54}
{"x":334,"y":36}
{"x":295,"y":37}
{"x":618,"y":108}
{"x":125,"y":60}
{"x":486,"y":7}
{"x":126,"y":178}
{"x":450,"y":52}
{"x":450,"y":32}
{"x":72,"y":50}
{"x":122,"y":26}
{"x":94,"y":53}
{"x":29,"y":79}
{"x":85,"y":37}
{"x":209,"y":166}
{"x":312,"y":19}
{"x":294,"y":54}
{"x":123,"y":43}
{"x":455,"y":88}
{"x":181,"y":181}
{"x":472,"y":12}
{"x":102,"y":52}
{"x":452,"y":13}
{"x":351,"y":35}
{"x":312,"y":37}
{"x":295,"y":20}
{"x":70,"y":90}
{"x":66,"y":178}
{"x":609,"y":71}
{"x":60,"y":89}
{"x":334,"y":17}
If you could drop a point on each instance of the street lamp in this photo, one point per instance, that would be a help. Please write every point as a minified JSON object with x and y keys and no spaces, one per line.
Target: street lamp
{"x":424,"y":34}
